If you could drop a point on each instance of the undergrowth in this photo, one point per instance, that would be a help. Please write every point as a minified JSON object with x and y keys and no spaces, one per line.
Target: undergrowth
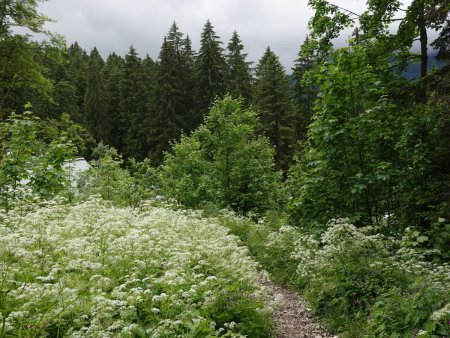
{"x":362,"y":284}
{"x":95,"y":270}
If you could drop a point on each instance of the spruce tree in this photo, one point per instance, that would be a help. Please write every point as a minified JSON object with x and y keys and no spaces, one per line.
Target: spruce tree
{"x":210,"y":71}
{"x":168,"y":112}
{"x":273,"y":100}
{"x":132,"y":107}
{"x":239,"y":77}
{"x":187,"y":62}
{"x":150,"y":73}
{"x":96,"y":114}
{"x":172,"y":94}
{"x":113,"y":71}
{"x":65,"y":96}
{"x":175,"y":39}
{"x":183,"y":71}
{"x":77,"y":64}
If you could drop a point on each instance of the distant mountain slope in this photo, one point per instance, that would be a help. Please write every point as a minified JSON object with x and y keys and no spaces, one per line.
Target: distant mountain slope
{"x":413,"y":70}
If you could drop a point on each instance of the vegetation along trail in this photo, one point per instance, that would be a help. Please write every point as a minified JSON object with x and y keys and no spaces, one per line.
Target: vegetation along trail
{"x":203,"y":169}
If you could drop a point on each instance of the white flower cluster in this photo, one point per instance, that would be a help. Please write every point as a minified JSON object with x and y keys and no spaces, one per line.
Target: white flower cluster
{"x":441,"y":313}
{"x":343,"y":245}
{"x":341,"y":237}
{"x":98,"y":271}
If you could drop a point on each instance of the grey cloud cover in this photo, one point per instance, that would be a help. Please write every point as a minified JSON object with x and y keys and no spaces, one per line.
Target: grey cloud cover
{"x":113,"y":25}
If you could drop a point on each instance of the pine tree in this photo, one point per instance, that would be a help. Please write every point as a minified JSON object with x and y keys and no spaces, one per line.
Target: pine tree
{"x":304,"y":95}
{"x":167,"y":116}
{"x":132,"y":107}
{"x":77,"y":64}
{"x":210,"y":71}
{"x":113,"y":71}
{"x":187,"y":62}
{"x":273,"y":100}
{"x":239,"y":77}
{"x":95,"y":102}
{"x":183,"y":72}
{"x":150,"y":74}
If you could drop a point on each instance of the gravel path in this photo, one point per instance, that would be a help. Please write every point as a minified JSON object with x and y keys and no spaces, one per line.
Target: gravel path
{"x":293,"y":319}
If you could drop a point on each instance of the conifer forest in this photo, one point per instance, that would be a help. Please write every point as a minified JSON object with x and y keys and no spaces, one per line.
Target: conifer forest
{"x":175,"y":196}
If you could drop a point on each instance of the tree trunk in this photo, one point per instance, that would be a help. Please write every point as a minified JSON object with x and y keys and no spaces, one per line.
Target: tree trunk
{"x":423,"y":43}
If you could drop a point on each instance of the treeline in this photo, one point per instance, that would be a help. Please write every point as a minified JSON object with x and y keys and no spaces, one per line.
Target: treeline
{"x":139,"y":105}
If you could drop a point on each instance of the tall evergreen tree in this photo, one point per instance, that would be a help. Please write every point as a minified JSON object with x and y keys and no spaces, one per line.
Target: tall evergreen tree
{"x":95,"y":102}
{"x":113,"y":71}
{"x":173,"y":93}
{"x":168,"y":114}
{"x":65,"y":96}
{"x":272,"y":98}
{"x":210,"y":70}
{"x":77,"y":64}
{"x":132,"y":107}
{"x":187,"y":70}
{"x":150,"y":74}
{"x":183,"y":71}
{"x":239,"y":77}
{"x":175,"y":39}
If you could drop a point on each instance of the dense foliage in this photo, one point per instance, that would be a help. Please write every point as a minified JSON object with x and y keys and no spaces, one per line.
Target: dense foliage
{"x":352,"y":138}
{"x":94,"y":270}
{"x":223,"y":163}
{"x":361,"y":282}
{"x":345,"y":138}
{"x":28,"y":165}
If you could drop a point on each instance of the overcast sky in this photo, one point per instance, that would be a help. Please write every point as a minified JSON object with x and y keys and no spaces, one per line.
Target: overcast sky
{"x":113,"y":25}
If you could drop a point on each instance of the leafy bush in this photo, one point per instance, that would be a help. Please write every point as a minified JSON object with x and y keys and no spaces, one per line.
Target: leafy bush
{"x":223,"y":163}
{"x":269,"y":240}
{"x":95,"y":270}
{"x":371,"y":284}
{"x":122,"y":186}
{"x":350,"y":144}
{"x":106,"y":177}
{"x":363,"y":285}
{"x":29,"y":167}
{"x":146,"y":181}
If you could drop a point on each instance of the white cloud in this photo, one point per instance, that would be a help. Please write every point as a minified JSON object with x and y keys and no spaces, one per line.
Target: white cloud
{"x":113,"y":25}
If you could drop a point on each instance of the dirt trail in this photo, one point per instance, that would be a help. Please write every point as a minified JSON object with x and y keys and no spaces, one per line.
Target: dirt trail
{"x":293,"y":319}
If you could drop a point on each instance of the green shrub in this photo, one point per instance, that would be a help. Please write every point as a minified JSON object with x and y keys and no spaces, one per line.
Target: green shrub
{"x":106,"y":177}
{"x":370,"y":285}
{"x":362,"y":285}
{"x":29,"y":167}
{"x":223,"y":163}
{"x":269,"y":240}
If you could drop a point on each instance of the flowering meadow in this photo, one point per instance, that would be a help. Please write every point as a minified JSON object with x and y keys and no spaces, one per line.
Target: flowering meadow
{"x":360,"y":282}
{"x":94,"y":270}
